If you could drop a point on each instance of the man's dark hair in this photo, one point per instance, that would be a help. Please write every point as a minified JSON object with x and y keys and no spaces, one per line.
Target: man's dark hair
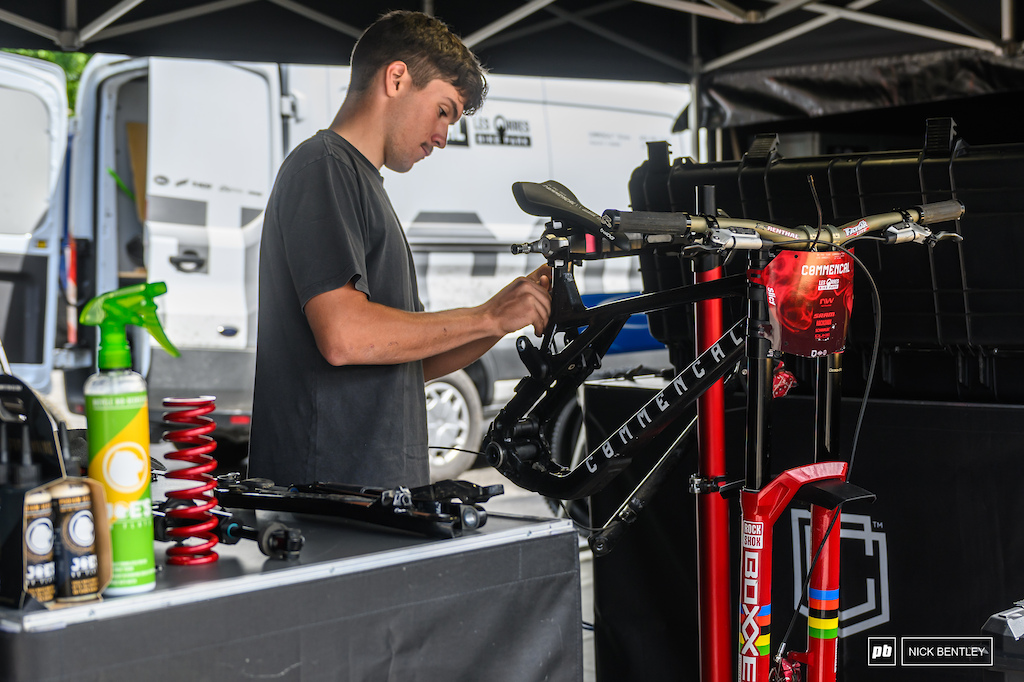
{"x":429,"y":49}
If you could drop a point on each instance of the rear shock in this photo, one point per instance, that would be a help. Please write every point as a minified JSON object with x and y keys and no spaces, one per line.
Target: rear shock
{"x":192,"y":520}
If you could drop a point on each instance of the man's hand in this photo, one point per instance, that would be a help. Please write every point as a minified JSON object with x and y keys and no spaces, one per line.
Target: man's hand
{"x":524,"y":302}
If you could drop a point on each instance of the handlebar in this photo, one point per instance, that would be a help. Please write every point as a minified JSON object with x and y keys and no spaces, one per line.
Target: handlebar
{"x":896,"y":226}
{"x":631,"y":231}
{"x":940,"y":211}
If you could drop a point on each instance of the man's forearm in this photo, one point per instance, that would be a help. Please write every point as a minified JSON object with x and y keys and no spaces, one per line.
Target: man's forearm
{"x":373,"y":334}
{"x":352,"y":330}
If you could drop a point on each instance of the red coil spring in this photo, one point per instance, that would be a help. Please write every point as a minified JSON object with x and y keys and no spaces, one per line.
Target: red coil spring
{"x":193,"y":521}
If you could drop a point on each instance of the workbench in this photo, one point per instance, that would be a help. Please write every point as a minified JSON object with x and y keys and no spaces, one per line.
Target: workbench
{"x":360,"y":603}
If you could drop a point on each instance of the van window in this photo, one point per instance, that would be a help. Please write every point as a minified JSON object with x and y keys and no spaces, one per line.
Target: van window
{"x":25,"y":171}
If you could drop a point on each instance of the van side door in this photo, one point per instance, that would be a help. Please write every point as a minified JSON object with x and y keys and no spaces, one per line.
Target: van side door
{"x":33,"y":137}
{"x":214,"y":145}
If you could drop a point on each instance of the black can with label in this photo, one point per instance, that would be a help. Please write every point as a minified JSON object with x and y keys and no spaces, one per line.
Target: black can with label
{"x":77,"y":565}
{"x":39,"y":541}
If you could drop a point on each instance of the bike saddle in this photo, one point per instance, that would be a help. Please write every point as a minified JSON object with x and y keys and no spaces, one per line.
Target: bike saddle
{"x":553,"y":200}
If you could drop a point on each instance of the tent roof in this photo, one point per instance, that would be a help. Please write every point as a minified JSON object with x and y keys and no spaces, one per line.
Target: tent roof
{"x":755,"y":57}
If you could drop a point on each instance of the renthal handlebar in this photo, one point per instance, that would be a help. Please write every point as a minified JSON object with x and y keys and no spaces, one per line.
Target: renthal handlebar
{"x":632,"y":231}
{"x":737,"y":233}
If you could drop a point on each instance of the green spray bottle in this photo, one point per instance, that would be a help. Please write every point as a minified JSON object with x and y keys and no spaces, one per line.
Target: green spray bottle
{"x":117,"y":418}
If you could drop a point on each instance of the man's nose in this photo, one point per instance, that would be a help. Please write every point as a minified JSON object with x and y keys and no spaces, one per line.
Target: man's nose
{"x":441,"y":137}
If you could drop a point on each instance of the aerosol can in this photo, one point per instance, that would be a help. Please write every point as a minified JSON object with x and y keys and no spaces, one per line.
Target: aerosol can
{"x":117,"y":418}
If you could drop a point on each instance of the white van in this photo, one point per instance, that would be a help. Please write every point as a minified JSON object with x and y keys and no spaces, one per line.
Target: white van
{"x":170,"y":166}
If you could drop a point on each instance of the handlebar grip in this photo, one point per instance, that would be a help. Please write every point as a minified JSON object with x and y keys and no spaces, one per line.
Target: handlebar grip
{"x":940,"y":211}
{"x":649,"y":222}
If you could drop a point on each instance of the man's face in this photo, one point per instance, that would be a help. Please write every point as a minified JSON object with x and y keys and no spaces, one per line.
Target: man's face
{"x":419,"y":123}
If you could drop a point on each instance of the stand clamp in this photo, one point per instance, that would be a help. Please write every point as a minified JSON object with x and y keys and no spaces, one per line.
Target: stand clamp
{"x":701,"y":485}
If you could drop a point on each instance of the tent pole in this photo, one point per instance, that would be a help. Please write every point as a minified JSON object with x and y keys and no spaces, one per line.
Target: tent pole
{"x":70,"y":15}
{"x":1007,"y":12}
{"x":504,"y":22}
{"x":614,"y":37}
{"x":107,"y":18}
{"x":29,"y":25}
{"x":170,"y":17}
{"x":693,"y":111}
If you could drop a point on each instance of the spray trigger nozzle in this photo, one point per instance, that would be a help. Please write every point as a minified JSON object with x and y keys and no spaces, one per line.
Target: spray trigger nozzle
{"x":114,"y":310}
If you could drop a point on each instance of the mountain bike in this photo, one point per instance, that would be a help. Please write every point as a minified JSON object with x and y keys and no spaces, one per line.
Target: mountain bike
{"x":782,"y":314}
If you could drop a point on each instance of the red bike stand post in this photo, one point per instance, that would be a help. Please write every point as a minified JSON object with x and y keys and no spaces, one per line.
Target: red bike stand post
{"x":716,"y":644}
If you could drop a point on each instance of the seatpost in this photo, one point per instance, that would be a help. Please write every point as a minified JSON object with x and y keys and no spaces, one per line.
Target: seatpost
{"x":757,"y":464}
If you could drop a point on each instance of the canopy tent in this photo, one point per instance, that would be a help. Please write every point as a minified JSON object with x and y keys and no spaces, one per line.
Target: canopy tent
{"x":752,"y":60}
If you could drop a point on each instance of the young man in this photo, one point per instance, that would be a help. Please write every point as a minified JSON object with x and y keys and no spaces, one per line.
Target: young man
{"x":343,"y":346}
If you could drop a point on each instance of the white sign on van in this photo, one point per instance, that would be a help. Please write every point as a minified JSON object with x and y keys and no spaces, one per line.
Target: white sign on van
{"x":499,"y":130}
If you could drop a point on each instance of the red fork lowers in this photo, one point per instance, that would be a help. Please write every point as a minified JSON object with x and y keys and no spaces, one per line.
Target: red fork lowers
{"x":192,"y":521}
{"x":713,"y":563}
{"x":761,"y":509}
{"x":823,"y":597}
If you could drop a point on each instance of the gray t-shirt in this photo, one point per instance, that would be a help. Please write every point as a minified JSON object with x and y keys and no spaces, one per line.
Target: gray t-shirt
{"x":329,"y":222}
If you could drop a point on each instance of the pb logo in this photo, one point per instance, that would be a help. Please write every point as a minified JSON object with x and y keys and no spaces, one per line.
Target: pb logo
{"x":881,"y":651}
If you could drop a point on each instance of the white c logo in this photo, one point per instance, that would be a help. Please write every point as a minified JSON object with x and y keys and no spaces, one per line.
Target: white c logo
{"x":126,"y":468}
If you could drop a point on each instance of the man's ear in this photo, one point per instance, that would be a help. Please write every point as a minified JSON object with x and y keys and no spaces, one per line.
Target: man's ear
{"x":396,"y":78}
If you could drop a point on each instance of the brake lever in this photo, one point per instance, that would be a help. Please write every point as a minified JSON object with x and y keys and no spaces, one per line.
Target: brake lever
{"x":908,"y":232}
{"x":700,"y":248}
{"x":941,"y":236}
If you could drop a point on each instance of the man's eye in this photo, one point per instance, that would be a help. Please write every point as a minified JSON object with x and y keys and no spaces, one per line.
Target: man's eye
{"x":442,"y":113}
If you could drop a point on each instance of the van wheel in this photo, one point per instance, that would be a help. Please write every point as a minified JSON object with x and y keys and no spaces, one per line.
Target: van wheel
{"x":454,"y":425}
{"x":569,"y":448}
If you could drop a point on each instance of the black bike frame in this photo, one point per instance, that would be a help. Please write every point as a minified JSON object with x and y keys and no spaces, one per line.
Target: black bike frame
{"x":515,"y":445}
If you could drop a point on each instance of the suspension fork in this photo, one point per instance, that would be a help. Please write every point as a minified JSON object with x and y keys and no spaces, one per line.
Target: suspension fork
{"x":822,"y":483}
{"x":755,"y":599}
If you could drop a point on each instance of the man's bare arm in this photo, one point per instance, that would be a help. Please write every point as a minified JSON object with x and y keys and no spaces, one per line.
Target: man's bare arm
{"x":352,"y":330}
